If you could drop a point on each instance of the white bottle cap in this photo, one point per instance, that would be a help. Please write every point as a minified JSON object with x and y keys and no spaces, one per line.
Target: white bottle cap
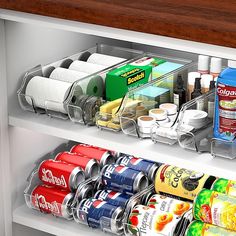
{"x":170,"y":108}
{"x":216,"y":65}
{"x":192,"y":76}
{"x":231,"y":64}
{"x":203,"y":63}
{"x":158,"y":114}
{"x":206,"y":80}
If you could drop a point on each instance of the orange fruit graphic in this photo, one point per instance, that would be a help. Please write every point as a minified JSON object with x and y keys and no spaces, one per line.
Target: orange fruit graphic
{"x":181,"y":208}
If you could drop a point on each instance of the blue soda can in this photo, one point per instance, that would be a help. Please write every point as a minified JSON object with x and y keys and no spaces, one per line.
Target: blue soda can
{"x":99,"y":214}
{"x":148,"y":167}
{"x":123,"y":179}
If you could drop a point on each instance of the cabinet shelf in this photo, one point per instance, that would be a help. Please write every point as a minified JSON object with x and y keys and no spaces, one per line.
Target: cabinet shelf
{"x":173,"y":155}
{"x":50,"y":224}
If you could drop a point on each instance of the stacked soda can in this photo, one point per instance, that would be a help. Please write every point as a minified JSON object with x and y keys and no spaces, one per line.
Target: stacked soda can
{"x":60,"y":178}
{"x":116,"y":188}
{"x":103,"y":156}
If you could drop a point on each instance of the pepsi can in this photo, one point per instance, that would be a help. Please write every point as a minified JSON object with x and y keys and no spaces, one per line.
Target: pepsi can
{"x":148,"y":167}
{"x":99,"y":214}
{"x":123,"y":179}
{"x":117,"y":199}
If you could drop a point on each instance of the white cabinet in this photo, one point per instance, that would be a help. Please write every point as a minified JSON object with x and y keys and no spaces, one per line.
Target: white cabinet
{"x":27,"y":40}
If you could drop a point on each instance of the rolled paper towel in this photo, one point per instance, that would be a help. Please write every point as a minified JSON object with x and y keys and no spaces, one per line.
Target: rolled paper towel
{"x":86,"y":67}
{"x":104,"y":60}
{"x":93,"y":86}
{"x":47,"y":93}
{"x":66,"y":75}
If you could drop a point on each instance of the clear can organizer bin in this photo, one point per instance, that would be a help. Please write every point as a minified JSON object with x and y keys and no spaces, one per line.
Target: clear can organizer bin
{"x":116,"y":226}
{"x":38,"y":202}
{"x":162,"y":89}
{"x":124,"y":118}
{"x":201,"y":139}
{"x":59,"y":109}
{"x":87,"y":94}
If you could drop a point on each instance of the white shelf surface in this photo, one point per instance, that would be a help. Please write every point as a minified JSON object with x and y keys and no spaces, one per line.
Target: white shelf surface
{"x":52,"y":225}
{"x":173,"y":155}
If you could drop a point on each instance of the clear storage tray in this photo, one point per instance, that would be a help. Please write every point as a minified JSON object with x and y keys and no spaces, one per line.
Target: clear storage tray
{"x":164,"y":86}
{"x":125,"y":118}
{"x":202,"y":140}
{"x":27,"y":102}
{"x":107,"y":224}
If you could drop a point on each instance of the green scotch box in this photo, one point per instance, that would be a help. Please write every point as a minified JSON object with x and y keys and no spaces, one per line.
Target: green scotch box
{"x":120,"y":80}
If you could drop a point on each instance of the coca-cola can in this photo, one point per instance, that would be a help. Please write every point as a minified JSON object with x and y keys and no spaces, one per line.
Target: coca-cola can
{"x":103,"y":156}
{"x":90,"y":166}
{"x":60,"y":174}
{"x":52,"y":200}
{"x":113,"y":153}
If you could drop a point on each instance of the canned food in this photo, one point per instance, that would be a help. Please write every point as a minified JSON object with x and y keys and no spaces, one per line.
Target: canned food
{"x":124,"y":179}
{"x":215,"y":208}
{"x":145,"y":220}
{"x":60,"y":174}
{"x":103,"y":156}
{"x":117,"y":199}
{"x":168,"y":204}
{"x":90,"y":166}
{"x":180,"y":182}
{"x":148,"y":167}
{"x":198,"y":228}
{"x":51,"y":200}
{"x":225,"y":186}
{"x":99,"y":214}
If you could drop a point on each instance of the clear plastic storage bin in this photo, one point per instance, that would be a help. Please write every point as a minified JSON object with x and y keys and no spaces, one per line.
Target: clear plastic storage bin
{"x":27,"y":102}
{"x":162,"y":90}
{"x":201,"y":139}
{"x":123,"y":117}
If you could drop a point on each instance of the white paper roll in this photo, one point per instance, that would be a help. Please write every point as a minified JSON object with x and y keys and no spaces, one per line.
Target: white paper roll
{"x":66,"y":75}
{"x":47,"y":93}
{"x":93,"y":86}
{"x":105,"y":60}
{"x":86,"y":67}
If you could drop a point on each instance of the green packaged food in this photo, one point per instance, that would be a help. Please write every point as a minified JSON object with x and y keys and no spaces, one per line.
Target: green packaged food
{"x":198,"y":228}
{"x":225,"y":186}
{"x":215,"y":208}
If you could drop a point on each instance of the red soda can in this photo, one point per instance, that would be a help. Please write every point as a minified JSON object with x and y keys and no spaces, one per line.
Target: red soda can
{"x":90,"y":166}
{"x":61,"y":175}
{"x":52,"y":200}
{"x":101,"y":155}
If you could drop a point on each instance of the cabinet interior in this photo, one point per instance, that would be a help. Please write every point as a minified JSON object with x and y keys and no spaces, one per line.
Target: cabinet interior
{"x":28,"y":45}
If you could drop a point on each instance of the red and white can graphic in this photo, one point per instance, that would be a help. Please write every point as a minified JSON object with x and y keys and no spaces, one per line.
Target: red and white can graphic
{"x":61,"y":175}
{"x":101,"y":155}
{"x":90,"y":166}
{"x":52,"y":200}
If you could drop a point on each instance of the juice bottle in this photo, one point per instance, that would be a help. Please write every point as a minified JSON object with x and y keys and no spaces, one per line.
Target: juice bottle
{"x":225,"y":104}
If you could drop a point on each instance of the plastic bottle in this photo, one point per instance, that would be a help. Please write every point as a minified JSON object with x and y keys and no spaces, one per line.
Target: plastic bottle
{"x":205,"y":82}
{"x":203,"y":64}
{"x":191,"y":81}
{"x":225,"y":104}
{"x":197,"y":89}
{"x":179,"y":92}
{"x":215,"y":67}
{"x":198,"y":92}
{"x":211,"y":101}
